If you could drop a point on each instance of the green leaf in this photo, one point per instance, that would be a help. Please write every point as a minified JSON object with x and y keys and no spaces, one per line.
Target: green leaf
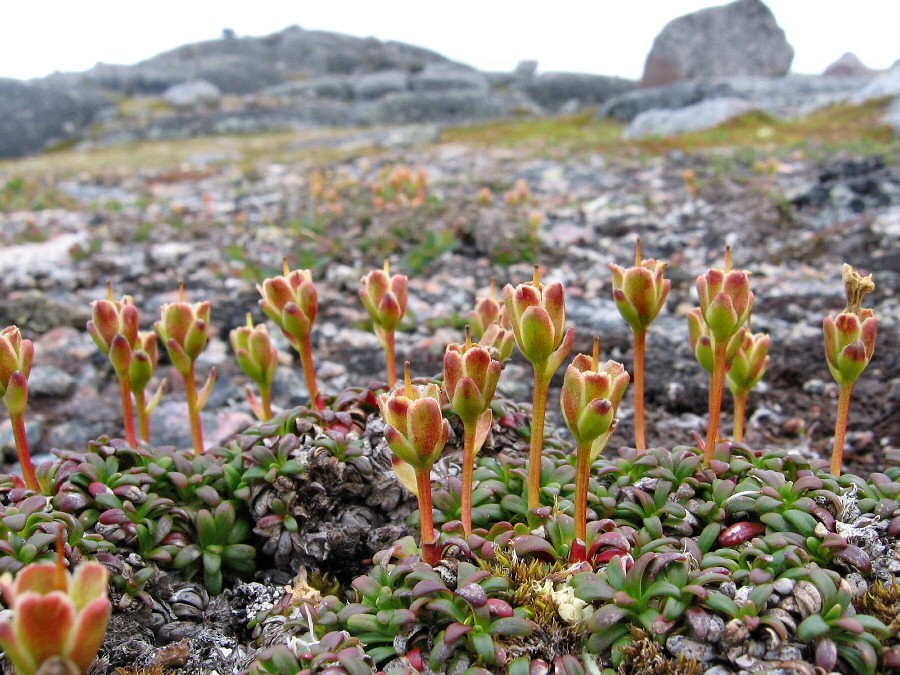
{"x":812,"y":627}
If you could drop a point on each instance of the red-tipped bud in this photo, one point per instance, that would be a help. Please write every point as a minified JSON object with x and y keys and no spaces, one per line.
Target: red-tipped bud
{"x":470,"y":380}
{"x":385,"y":297}
{"x":640,"y":291}
{"x":702,"y":341}
{"x":256,"y":354}
{"x":590,"y":397}
{"x":725,"y":302}
{"x":499,"y":341}
{"x":416,"y":431}
{"x":183,"y":329}
{"x":749,"y":364}
{"x":850,"y":336}
{"x":16,"y":356}
{"x":291,"y":301}
{"x":57,"y":618}
{"x":538,"y":316}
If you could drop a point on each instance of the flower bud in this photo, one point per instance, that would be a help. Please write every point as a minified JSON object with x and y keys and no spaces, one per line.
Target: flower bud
{"x":385,"y":297}
{"x":291,"y":301}
{"x":591,"y":395}
{"x":470,"y":379}
{"x":850,"y":336}
{"x":538,"y":316}
{"x":415,"y":429}
{"x":498,"y":341}
{"x":749,"y":364}
{"x":640,"y":291}
{"x":112,"y":317}
{"x":702,"y":342}
{"x":725,"y":301}
{"x":184,"y":330}
{"x":16,"y":356}
{"x":256,"y":354}
{"x":488,"y":311}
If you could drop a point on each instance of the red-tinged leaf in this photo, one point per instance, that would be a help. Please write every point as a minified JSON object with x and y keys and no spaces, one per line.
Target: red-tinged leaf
{"x":37,"y":578}
{"x":428,"y":586}
{"x":455,"y":631}
{"x":855,"y":556}
{"x":44,"y":623}
{"x":740,"y":533}
{"x":527,"y":544}
{"x":605,"y":617}
{"x":20,"y":658}
{"x":851,"y":625}
{"x":826,"y":654}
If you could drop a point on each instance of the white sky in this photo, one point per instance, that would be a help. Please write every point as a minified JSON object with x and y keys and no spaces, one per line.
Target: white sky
{"x":610,"y":37}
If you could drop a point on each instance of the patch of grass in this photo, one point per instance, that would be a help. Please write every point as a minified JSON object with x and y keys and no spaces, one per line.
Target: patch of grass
{"x":429,"y":249}
{"x":21,"y":193}
{"x":857,"y":128}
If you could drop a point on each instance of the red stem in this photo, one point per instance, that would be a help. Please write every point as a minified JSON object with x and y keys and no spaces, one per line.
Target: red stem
{"x":390,"y":350}
{"x":309,"y":370}
{"x":716,"y":386}
{"x":539,"y":411}
{"x":582,"y":481}
{"x":128,"y":412}
{"x":193,"y":412}
{"x":265,"y":394}
{"x":467,"y":476}
{"x":18,"y":425}
{"x":142,"y":417}
{"x":840,"y":429}
{"x":640,"y":342}
{"x":740,"y":415}
{"x":426,"y":518}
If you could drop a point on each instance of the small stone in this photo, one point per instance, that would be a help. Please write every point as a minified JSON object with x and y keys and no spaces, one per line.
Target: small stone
{"x":784,"y":586}
{"x":50,"y":382}
{"x":692,"y":649}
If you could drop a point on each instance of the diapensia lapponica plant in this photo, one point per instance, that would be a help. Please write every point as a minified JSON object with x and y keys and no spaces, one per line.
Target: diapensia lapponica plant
{"x":580,"y":546}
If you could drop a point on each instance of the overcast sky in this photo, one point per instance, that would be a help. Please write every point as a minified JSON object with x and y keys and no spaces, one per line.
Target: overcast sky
{"x":610,"y":37}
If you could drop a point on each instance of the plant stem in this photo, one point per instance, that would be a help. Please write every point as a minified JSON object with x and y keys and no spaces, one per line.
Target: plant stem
{"x":390,"y":350}
{"x":740,"y":414}
{"x":840,"y":429}
{"x":128,"y":412}
{"x":193,"y":412}
{"x":467,"y":472}
{"x":309,"y":370}
{"x":716,"y":387}
{"x":640,"y":342}
{"x":539,"y":411}
{"x":265,"y":394}
{"x":426,"y":518}
{"x":18,"y":425}
{"x":142,"y":417}
{"x":582,"y":481}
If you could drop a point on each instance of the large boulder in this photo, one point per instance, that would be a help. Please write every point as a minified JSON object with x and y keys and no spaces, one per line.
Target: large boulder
{"x":35,"y":115}
{"x":741,"y":38}
{"x":703,"y":115}
{"x":629,"y":105}
{"x":553,"y":90}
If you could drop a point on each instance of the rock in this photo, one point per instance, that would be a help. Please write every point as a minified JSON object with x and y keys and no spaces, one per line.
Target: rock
{"x":849,"y":65}
{"x":449,"y":106}
{"x":377,"y":85}
{"x":884,"y":86}
{"x":629,"y":105}
{"x":704,"y":115}
{"x":449,"y":77}
{"x":193,"y":94}
{"x":526,"y":69}
{"x":692,"y":649}
{"x":552,"y":90}
{"x":740,"y":38}
{"x":35,"y":115}
{"x":50,"y":382}
{"x":338,"y":87}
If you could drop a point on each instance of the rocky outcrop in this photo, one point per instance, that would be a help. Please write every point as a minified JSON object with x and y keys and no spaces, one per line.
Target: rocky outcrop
{"x":35,"y":115}
{"x":553,"y":90}
{"x":849,"y":65}
{"x":703,"y":115}
{"x":193,"y":94}
{"x":741,"y":38}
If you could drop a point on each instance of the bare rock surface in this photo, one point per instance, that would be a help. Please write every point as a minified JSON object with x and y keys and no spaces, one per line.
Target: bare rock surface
{"x":740,"y":38}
